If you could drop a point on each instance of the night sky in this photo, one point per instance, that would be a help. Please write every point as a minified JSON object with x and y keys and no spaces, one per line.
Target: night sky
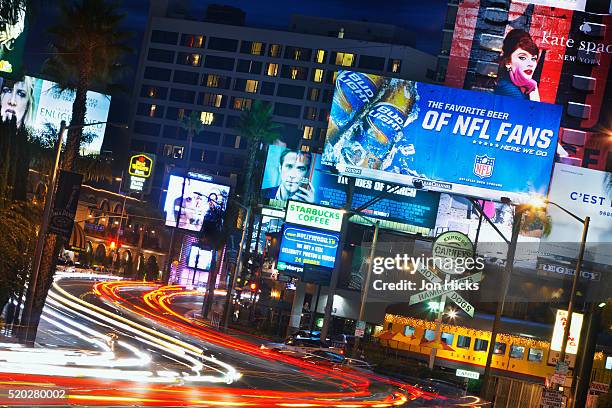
{"x":424,"y":18}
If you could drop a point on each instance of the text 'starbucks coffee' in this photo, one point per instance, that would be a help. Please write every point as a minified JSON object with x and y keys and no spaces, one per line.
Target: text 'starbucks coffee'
{"x":314,"y":216}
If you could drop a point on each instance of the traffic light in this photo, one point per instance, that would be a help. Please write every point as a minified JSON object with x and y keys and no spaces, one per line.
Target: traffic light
{"x":253,"y":287}
{"x":113,"y":245}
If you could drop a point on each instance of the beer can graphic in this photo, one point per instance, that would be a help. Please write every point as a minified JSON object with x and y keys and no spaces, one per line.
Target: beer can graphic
{"x":353,"y":91}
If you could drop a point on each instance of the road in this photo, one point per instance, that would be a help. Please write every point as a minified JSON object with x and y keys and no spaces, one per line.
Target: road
{"x":162,"y":358}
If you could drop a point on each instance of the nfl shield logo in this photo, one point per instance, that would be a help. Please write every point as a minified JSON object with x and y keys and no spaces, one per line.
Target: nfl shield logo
{"x":483,"y":166}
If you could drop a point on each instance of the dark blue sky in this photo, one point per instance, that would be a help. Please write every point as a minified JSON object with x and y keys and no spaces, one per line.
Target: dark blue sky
{"x":424,"y":18}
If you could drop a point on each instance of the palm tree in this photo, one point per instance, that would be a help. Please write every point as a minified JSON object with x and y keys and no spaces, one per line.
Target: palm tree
{"x":87,"y":51}
{"x":257,"y":127}
{"x":193,"y":125}
{"x":95,"y":167}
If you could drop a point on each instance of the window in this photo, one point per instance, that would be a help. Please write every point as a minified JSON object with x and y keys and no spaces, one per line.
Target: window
{"x":323,"y":115}
{"x":176,"y":113}
{"x":535,"y":355}
{"x":320,"y":56}
{"x":318,"y":75}
{"x":232,"y":121}
{"x":188,"y":58}
{"x":370,"y":62}
{"x":345,"y":59}
{"x":447,"y":338}
{"x":152,"y":111}
{"x":232,"y":141}
{"x":313,"y":94}
{"x":182,"y":95}
{"x":307,"y":132}
{"x":429,"y":335}
{"x":464,"y":342}
{"x":207,"y":118}
{"x":158,"y":92}
{"x":164,"y":37}
{"x":328,"y":95}
{"x":206,"y":137}
{"x":158,"y":74}
{"x":322,"y":134}
{"x":481,"y":345}
{"x":517,"y":352}
{"x":287,"y":110}
{"x":241,"y":103}
{"x":395,"y":65}
{"x":408,"y":331}
{"x":330,"y":78}
{"x":297,"y":53}
{"x":290,"y":91}
{"x":500,"y":348}
{"x":142,"y":146}
{"x":174,"y":132}
{"x":192,"y":40}
{"x":158,"y":55}
{"x":275,"y":50}
{"x":215,"y":81}
{"x":250,"y":67}
{"x":272,"y":69}
{"x":212,"y":99}
{"x":222,"y":44}
{"x":290,"y":72}
{"x":251,"y":86}
{"x":305,"y":148}
{"x":256,"y":48}
{"x":176,"y":152}
{"x":267,"y":88}
{"x":310,"y":113}
{"x":147,"y":128}
{"x":223,"y":63}
{"x":185,"y":77}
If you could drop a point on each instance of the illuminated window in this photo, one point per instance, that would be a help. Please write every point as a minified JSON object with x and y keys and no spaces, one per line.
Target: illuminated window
{"x":195,"y":60}
{"x":297,"y":54}
{"x":447,"y":338}
{"x":256,"y":48}
{"x":275,"y":50}
{"x":177,"y":152}
{"x":152,"y":92}
{"x":152,"y":110}
{"x":180,"y":114}
{"x":464,"y":342}
{"x":202,"y":156}
{"x":318,"y":75}
{"x":207,"y":118}
{"x":272,"y":70}
{"x":396,"y":65}
{"x":237,"y":142}
{"x":310,"y":113}
{"x":320,"y":56}
{"x":213,"y":81}
{"x":481,"y":345}
{"x":535,"y":355}
{"x":500,"y":348}
{"x":517,"y":352}
{"x":313,"y":94}
{"x":192,"y":41}
{"x":345,"y":59}
{"x":294,"y":72}
{"x":251,"y":86}
{"x":305,"y":148}
{"x":308,"y":130}
{"x":242,"y":103}
{"x":210,"y":99}
{"x":168,"y":149}
{"x":408,"y":331}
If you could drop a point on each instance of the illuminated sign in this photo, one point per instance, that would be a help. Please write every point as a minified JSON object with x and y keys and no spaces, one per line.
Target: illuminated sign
{"x":452,"y":245}
{"x":301,"y":246}
{"x":467,"y":374}
{"x":314,"y":216}
{"x":140,"y":170}
{"x":574,"y":333}
{"x":443,"y":139}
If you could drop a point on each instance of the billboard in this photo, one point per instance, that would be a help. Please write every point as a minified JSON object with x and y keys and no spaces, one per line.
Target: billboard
{"x":140,"y":172}
{"x":300,"y":176}
{"x":303,"y":246}
{"x":573,"y":337}
{"x":13,"y":34}
{"x":314,"y":216}
{"x":191,"y":203}
{"x":201,"y":256}
{"x":447,"y":140}
{"x":40,"y":105}
{"x":584,"y":192}
{"x":566,"y":58}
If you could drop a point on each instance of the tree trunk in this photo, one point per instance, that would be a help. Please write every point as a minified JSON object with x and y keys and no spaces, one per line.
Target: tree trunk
{"x":248,"y":175}
{"x":212,"y":280}
{"x":79,"y":110}
{"x":21,"y":166}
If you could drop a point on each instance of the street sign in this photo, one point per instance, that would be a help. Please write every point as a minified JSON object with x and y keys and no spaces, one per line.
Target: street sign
{"x":452,"y":294}
{"x":449,"y":247}
{"x":558,"y":378}
{"x":599,"y":388}
{"x":360,"y":328}
{"x":562,"y":367}
{"x":467,"y":374}
{"x":551,"y":398}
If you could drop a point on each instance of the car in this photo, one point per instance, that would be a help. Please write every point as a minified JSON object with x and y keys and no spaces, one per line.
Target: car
{"x":302,"y":345}
{"x":341,"y":360}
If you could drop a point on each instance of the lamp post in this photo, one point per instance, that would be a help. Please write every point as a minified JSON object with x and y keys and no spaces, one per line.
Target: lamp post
{"x":42,"y":233}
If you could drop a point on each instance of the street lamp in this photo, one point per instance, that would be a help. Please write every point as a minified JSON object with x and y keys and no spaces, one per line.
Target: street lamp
{"x":47,"y":212}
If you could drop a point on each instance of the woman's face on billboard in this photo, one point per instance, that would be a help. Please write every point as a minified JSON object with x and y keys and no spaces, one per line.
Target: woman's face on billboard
{"x":523,"y":61}
{"x":14,"y":102}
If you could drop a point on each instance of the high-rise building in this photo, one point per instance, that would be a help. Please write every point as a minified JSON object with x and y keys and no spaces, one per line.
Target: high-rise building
{"x":219,"y":70}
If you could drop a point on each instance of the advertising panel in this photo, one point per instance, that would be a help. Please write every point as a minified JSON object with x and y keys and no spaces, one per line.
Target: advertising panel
{"x":303,"y":246}
{"x":447,"y":140}
{"x":140,"y":172}
{"x":202,"y":257}
{"x":574,"y":332}
{"x":65,"y":204}
{"x":314,"y":216}
{"x":191,"y":203}
{"x":584,"y":192}
{"x":40,"y":105}
{"x":13,"y":32}
{"x":541,"y":51}
{"x":404,"y":209}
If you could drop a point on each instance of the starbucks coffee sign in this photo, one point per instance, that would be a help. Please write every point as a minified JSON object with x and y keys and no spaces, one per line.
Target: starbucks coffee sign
{"x":314,"y":216}
{"x":450,"y":251}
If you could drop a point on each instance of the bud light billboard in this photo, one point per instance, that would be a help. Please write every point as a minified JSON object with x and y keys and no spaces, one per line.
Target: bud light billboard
{"x":300,"y":176}
{"x":441,"y":139}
